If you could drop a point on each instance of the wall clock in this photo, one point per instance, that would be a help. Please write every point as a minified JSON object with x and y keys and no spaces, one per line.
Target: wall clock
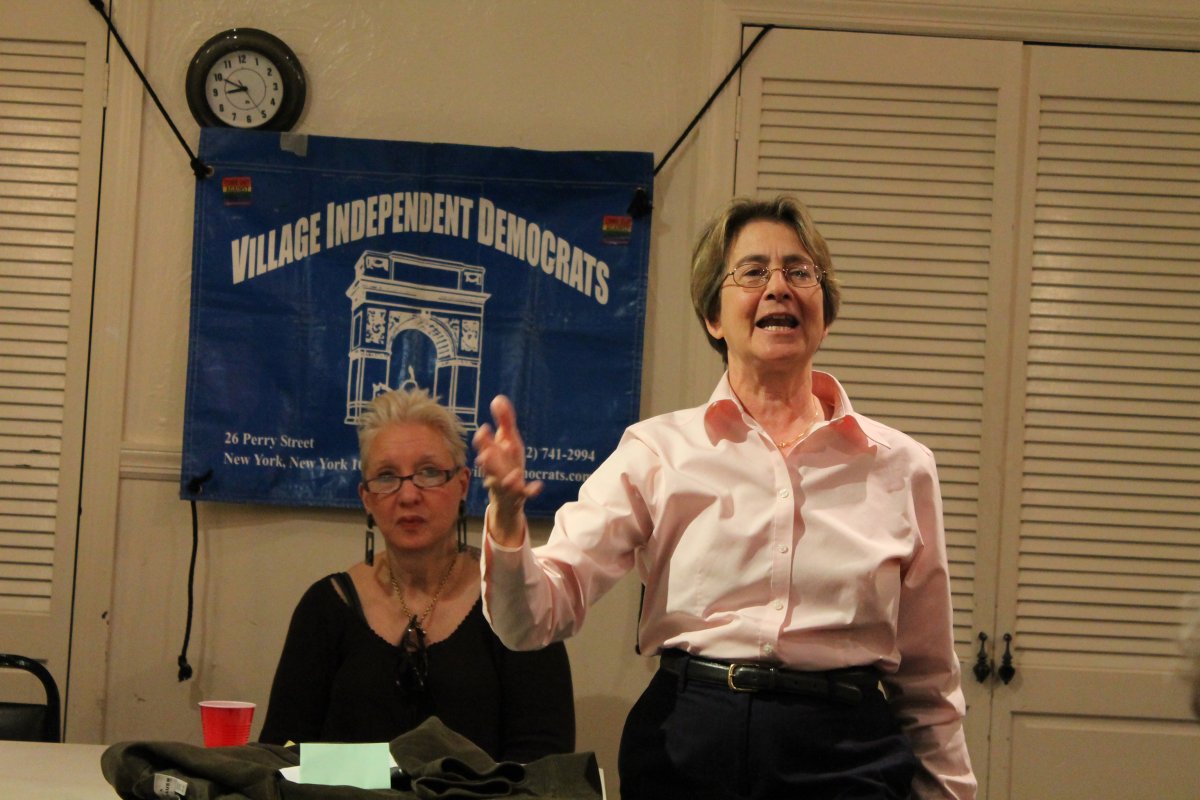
{"x":246,"y":78}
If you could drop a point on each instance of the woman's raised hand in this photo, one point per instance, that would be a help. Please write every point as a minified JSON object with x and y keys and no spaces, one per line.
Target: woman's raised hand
{"x":500,"y":455}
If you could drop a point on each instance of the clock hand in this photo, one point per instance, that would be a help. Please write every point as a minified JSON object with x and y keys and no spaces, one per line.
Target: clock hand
{"x":241,"y":87}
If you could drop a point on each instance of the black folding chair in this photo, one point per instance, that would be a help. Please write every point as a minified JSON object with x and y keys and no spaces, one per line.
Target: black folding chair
{"x":31,"y":722}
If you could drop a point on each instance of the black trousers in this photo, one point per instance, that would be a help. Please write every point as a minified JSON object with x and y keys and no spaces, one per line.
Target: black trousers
{"x":694,"y":740}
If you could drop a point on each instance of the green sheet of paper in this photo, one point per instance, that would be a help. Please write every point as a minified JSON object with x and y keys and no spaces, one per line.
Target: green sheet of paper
{"x":366,"y":766}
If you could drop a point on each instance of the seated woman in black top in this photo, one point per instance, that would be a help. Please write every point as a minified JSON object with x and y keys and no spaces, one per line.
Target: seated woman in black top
{"x":374,"y":651}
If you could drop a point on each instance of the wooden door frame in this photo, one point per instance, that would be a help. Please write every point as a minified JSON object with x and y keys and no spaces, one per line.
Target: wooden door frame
{"x":117,"y":219}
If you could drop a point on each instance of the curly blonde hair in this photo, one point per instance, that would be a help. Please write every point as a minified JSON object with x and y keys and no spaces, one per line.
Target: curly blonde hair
{"x":404,"y":406}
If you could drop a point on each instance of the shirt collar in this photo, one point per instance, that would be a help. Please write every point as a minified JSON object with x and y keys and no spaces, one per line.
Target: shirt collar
{"x":726,"y":418}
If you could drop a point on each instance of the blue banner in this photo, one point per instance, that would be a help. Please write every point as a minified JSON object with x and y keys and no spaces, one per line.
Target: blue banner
{"x":326,"y":270}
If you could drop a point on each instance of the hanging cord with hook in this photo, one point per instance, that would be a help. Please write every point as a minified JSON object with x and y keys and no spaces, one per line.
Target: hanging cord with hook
{"x":641,"y":204}
{"x":199,"y":168}
{"x":712,"y":98}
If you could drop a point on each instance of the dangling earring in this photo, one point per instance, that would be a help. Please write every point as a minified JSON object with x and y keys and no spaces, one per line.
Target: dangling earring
{"x":370,"y":556}
{"x":462,"y":526}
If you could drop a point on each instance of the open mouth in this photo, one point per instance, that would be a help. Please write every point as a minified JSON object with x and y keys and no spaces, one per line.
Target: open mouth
{"x":777,"y":322}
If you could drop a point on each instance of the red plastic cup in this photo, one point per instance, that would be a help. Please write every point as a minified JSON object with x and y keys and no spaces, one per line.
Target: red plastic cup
{"x":226,"y":722}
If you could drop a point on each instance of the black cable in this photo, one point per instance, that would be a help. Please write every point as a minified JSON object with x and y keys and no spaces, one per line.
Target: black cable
{"x":766,"y":29}
{"x":194,"y":486}
{"x":185,"y":669}
{"x":199,"y":168}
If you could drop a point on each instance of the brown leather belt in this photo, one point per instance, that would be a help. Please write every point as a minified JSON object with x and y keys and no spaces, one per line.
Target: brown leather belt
{"x":843,"y":685}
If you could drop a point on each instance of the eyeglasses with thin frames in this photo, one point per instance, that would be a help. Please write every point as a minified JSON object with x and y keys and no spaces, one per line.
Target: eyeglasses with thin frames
{"x":412,"y":667}
{"x":801,"y":275}
{"x":424,"y":478}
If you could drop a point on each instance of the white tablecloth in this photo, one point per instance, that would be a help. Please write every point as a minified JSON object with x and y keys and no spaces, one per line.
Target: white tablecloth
{"x":42,"y":771}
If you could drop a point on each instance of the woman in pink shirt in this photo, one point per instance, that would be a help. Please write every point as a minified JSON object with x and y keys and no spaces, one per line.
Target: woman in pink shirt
{"x":796,"y":585}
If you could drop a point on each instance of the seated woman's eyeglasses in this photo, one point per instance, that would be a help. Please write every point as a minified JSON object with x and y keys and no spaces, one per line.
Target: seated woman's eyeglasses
{"x":755,"y":276}
{"x":424,"y":478}
{"x":412,"y":667}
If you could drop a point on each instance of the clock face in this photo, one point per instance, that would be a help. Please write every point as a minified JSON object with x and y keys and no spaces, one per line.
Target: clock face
{"x":244,"y":89}
{"x":246,"y":78}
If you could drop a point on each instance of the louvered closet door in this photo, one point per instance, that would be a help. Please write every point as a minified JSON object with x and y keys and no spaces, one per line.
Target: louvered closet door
{"x":1104,"y":525}
{"x":51,"y":88}
{"x":904,"y":147}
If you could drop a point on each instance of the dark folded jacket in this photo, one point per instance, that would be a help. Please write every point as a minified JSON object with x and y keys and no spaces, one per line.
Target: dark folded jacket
{"x":435,"y":764}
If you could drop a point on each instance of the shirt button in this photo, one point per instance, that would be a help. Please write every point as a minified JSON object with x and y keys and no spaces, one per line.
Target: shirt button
{"x":767,"y":649}
{"x":784,"y":493}
{"x":783,"y":548}
{"x":778,"y":605}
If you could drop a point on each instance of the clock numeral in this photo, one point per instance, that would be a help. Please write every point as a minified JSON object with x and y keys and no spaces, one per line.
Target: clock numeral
{"x":270,"y":71}
{"x":241,"y":59}
{"x":215,"y":92}
{"x":275,"y":86}
{"x":264,"y":114}
{"x":228,"y":64}
{"x":218,"y":77}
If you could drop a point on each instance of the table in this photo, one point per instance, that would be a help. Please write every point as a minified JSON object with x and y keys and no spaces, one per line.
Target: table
{"x":45,"y":771}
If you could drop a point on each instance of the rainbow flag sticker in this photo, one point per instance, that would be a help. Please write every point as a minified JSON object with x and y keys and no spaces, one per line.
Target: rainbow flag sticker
{"x":617,"y":229}
{"x":236,"y":191}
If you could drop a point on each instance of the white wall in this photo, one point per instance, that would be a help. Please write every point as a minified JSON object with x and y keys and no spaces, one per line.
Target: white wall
{"x":624,"y":75}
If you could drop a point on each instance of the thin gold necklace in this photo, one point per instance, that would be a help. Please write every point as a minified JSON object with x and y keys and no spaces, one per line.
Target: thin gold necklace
{"x":399,"y":592}
{"x":786,"y":444}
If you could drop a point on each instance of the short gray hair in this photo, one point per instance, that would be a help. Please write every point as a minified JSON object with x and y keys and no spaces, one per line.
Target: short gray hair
{"x":708,"y":257}
{"x":410,"y":406}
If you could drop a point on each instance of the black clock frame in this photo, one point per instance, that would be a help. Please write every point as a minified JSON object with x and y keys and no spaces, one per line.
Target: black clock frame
{"x":295,"y":86}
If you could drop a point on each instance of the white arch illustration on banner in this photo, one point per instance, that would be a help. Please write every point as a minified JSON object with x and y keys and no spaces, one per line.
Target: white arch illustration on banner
{"x":394,"y":293}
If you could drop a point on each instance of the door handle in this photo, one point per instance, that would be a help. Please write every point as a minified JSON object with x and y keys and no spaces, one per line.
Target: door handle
{"x":983,"y":667}
{"x":1007,"y":671}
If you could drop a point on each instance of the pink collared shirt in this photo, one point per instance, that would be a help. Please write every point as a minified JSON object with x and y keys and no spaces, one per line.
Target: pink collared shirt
{"x":833,"y":556}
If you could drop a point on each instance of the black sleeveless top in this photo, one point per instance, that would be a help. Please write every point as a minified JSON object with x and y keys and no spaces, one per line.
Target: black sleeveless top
{"x":336,"y":682}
